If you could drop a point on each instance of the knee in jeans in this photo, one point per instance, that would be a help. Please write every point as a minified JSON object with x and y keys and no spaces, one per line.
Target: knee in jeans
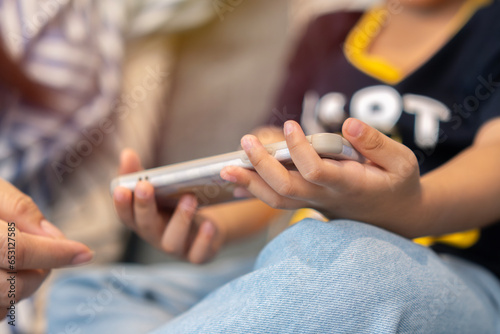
{"x":362,"y":259}
{"x":318,"y":242}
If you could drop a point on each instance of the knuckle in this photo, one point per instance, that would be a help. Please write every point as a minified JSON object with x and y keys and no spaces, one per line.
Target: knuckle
{"x":293,"y":145}
{"x":172,"y":249}
{"x":286,"y":189}
{"x":276,"y":202}
{"x":374,"y":141}
{"x":314,"y":175}
{"x":24,"y":205}
{"x":408,"y":165}
{"x":257,"y":161}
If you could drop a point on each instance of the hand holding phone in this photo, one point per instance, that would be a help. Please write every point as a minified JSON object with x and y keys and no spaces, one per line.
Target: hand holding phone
{"x":201,"y":177}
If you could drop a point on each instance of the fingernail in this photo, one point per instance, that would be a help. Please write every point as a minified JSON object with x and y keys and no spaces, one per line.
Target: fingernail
{"x":289,"y":127}
{"x":188,"y":203}
{"x":140,"y":192}
{"x":82,"y":258}
{"x":241,"y":192}
{"x":224,"y":174}
{"x":51,"y":230}
{"x":208,"y":228}
{"x":354,"y":127}
{"x":119,"y":195}
{"x":246,"y":143}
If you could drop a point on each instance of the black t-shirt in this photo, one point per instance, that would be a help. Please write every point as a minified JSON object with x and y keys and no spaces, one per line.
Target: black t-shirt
{"x":436,"y":110}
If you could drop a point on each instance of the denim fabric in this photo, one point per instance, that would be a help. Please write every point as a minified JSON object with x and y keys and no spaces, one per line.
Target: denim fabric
{"x":133,"y":298}
{"x":336,"y":277}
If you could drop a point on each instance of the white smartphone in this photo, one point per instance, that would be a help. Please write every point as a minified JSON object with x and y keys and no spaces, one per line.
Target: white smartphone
{"x":201,"y":177}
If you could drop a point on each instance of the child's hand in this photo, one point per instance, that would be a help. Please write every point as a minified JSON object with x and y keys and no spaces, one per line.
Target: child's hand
{"x":182,"y":232}
{"x":385,"y":191}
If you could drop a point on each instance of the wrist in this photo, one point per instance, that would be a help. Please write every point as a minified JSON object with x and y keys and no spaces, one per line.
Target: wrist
{"x":430,"y":211}
{"x":416,"y":215}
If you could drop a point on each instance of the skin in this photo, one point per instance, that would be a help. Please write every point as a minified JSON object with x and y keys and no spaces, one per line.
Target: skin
{"x":188,"y":232}
{"x":414,"y":31}
{"x":387,"y":191}
{"x":428,"y":5}
{"x":39,"y":246}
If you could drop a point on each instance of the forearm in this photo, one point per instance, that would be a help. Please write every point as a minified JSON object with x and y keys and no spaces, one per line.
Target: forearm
{"x":240,"y":219}
{"x":464,"y":193}
{"x":176,"y":16}
{"x":245,"y":218}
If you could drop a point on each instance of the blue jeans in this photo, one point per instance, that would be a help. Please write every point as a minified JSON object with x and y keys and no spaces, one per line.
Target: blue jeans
{"x":336,"y":277}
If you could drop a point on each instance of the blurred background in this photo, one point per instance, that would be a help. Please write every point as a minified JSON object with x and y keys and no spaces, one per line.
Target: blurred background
{"x":188,"y":91}
{"x":216,"y":82}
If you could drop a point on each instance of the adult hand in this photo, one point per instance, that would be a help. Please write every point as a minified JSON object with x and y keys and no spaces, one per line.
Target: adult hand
{"x":181,"y":232}
{"x":29,"y":247}
{"x":384,"y":191}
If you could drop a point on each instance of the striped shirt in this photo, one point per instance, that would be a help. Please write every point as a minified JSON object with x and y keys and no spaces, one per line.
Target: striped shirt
{"x":74,"y":48}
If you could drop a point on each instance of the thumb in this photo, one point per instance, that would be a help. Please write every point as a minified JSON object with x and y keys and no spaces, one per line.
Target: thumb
{"x":38,"y":252}
{"x":375,"y":146}
{"x":129,"y":162}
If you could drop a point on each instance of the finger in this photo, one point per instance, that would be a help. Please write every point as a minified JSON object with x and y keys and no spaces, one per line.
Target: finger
{"x":149,"y":222}
{"x":37,"y":252}
{"x":271,"y":170}
{"x":129,"y":162}
{"x":242,"y":192}
{"x":123,"y":203}
{"x":310,"y":165}
{"x":49,"y":229}
{"x":377,"y":147}
{"x":177,"y":231}
{"x":202,"y":248}
{"x":20,"y":285}
{"x":19,"y":208}
{"x":258,"y":187}
{"x":268,"y":135}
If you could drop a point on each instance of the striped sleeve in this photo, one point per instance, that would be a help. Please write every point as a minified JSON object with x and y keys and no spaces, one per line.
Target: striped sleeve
{"x":74,"y":48}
